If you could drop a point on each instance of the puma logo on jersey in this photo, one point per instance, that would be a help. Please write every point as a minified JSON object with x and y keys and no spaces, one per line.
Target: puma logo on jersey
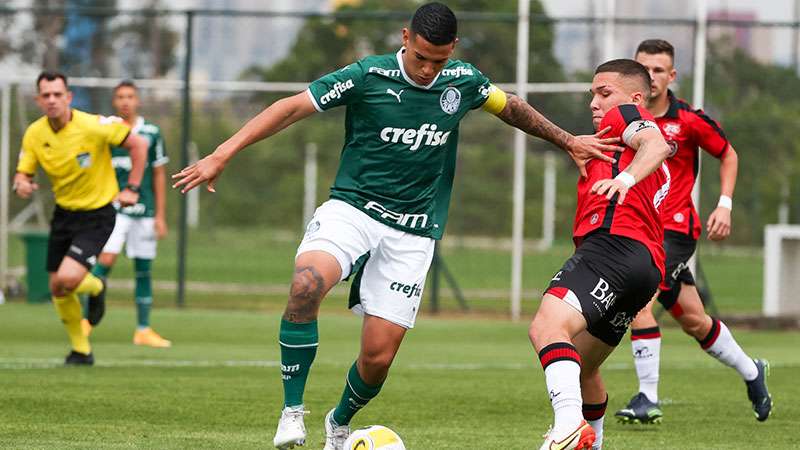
{"x":395,"y":94}
{"x":426,"y":134}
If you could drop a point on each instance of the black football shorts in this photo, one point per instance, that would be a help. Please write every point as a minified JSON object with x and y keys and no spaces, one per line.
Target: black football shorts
{"x":608,"y":279}
{"x":679,"y":248}
{"x":80,"y":235}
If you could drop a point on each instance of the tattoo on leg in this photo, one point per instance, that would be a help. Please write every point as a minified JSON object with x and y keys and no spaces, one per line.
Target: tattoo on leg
{"x":308,"y":289}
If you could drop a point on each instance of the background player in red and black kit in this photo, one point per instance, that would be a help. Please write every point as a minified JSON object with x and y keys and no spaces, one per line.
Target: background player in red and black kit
{"x":686,"y":130}
{"x":618,"y":262}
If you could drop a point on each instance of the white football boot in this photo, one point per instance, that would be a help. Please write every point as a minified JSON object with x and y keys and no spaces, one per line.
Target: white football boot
{"x":291,"y":429}
{"x":335,"y":435}
{"x":581,"y":439}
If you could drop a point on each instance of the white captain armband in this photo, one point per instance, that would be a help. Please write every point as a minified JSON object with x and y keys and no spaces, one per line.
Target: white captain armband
{"x":635,"y":127}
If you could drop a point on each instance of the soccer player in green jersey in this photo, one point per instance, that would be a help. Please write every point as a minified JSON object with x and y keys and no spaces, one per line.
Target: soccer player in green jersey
{"x":139,"y":225}
{"x":388,"y":203}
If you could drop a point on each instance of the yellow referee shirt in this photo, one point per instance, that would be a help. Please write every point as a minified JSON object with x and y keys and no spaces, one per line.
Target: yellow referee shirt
{"x":77,"y":158}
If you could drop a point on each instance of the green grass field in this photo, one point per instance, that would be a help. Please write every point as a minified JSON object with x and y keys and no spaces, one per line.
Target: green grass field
{"x":456,"y":384}
{"x":253,"y":256}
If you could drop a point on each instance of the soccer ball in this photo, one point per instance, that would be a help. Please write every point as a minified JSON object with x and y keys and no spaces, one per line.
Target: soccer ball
{"x":374,"y":437}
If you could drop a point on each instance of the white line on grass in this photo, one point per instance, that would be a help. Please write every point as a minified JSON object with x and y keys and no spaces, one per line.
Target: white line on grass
{"x":50,"y":363}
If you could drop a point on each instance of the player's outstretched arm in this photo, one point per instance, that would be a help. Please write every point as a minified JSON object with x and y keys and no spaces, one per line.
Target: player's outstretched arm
{"x":137,"y":147}
{"x":276,"y":117}
{"x":719,"y":222}
{"x":518,"y":113}
{"x":651,"y":151}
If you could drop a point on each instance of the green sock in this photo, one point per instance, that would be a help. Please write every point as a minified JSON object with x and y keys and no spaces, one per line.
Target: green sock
{"x":101,"y":271}
{"x":299,"y":343}
{"x":356,"y":395}
{"x":144,"y":292}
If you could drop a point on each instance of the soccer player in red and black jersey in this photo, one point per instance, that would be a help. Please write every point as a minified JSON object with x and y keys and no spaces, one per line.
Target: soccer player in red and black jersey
{"x":686,"y":131}
{"x":618,"y":261}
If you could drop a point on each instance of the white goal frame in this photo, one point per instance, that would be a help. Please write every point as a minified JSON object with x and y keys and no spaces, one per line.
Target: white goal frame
{"x":781,"y":270}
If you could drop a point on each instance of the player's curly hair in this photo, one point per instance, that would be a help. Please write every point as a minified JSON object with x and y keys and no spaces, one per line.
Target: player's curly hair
{"x":436,"y":23}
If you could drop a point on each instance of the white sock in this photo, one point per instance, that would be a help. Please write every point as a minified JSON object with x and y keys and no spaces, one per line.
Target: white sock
{"x":564,"y":387}
{"x":597,"y":425}
{"x":721,"y":345}
{"x":594,"y":415}
{"x":646,"y":346}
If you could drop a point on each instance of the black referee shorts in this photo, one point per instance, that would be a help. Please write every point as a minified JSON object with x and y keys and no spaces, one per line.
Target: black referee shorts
{"x":679,"y":248}
{"x":608,"y":279}
{"x":80,"y":235}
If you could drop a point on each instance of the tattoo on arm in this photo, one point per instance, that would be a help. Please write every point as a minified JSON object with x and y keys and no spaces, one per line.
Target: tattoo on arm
{"x":518,"y":113}
{"x":308,"y":288}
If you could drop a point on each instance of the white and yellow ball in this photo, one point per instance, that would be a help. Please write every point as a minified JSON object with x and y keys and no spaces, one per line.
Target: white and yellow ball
{"x":374,"y":437}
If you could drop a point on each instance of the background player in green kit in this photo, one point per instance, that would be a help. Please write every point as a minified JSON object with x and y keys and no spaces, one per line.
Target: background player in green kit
{"x":138,"y":226}
{"x":388,"y":203}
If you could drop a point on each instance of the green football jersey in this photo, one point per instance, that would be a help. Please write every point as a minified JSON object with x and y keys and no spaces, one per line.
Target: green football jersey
{"x":399,"y":153}
{"x":156,"y":156}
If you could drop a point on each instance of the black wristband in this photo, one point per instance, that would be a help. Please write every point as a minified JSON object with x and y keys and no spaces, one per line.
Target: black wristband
{"x":132,"y":187}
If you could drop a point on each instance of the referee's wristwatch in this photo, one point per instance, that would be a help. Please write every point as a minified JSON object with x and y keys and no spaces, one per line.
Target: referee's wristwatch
{"x":132,"y":187}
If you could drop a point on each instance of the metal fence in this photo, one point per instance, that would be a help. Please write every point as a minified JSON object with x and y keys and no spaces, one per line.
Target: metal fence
{"x":204,"y":72}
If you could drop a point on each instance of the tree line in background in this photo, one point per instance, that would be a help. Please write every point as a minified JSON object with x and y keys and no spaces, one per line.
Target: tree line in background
{"x":757,"y":105}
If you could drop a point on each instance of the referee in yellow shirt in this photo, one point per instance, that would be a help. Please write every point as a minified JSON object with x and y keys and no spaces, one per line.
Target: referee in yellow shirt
{"x":73,"y":149}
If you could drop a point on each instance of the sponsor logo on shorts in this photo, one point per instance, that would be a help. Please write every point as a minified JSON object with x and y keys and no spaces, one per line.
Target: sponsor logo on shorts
{"x":681,"y":267}
{"x":621,"y":320}
{"x":425,"y":135}
{"x":411,"y":290}
{"x":602,"y":292}
{"x":336,"y":92}
{"x":313,"y":227}
{"x":75,"y":249}
{"x":407,"y":220}
{"x":572,"y":263}
{"x":92,"y":260}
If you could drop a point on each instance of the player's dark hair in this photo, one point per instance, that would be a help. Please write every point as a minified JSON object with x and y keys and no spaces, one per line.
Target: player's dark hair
{"x":51,"y":76}
{"x":436,"y":23}
{"x":126,"y":83}
{"x":628,"y":68}
{"x":656,"y":46}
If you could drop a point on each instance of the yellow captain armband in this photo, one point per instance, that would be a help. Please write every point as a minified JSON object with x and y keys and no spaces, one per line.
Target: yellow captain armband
{"x":495,"y":101}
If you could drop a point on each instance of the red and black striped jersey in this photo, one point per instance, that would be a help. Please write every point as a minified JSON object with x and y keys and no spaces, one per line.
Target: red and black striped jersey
{"x":686,"y":129}
{"x":638,"y":217}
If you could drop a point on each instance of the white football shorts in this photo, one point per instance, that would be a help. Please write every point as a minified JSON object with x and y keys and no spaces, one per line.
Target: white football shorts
{"x":388,"y":266}
{"x":137,"y":234}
